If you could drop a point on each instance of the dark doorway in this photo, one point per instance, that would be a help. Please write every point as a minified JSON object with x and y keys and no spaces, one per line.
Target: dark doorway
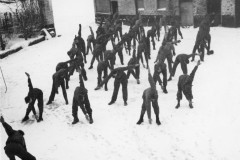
{"x":114,"y":7}
{"x":186,"y":11}
{"x":237,"y":13}
{"x":214,"y":7}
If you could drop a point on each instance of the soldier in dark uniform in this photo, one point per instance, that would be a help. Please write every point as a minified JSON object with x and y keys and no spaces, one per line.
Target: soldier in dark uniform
{"x":33,"y":95}
{"x":78,"y":62}
{"x":103,"y":67}
{"x":81,"y":45}
{"x":58,"y":80}
{"x":183,"y":60}
{"x":185,"y":86}
{"x":134,"y":61}
{"x":167,"y":51}
{"x":175,"y":29}
{"x":120,"y":78}
{"x":90,"y":40}
{"x":152,"y":33}
{"x":150,"y":95}
{"x":203,"y":37}
{"x":15,"y":144}
{"x":64,"y":65}
{"x":99,"y":48}
{"x":161,"y":67}
{"x":110,"y":55}
{"x":80,"y":98}
{"x":158,"y":27}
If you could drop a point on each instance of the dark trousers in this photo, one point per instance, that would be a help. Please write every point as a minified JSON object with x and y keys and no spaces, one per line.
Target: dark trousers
{"x":158,"y":34}
{"x":153,"y":42}
{"x":200,"y":49}
{"x":15,"y":149}
{"x":74,"y":67}
{"x":75,"y":108}
{"x":124,"y":90}
{"x":183,"y":66}
{"x":146,"y":55}
{"x":40,"y":106}
{"x":135,"y":75}
{"x":186,"y":91}
{"x":157,"y":78}
{"x":117,"y":33}
{"x":89,"y":46}
{"x":154,"y":105}
{"x":53,"y":92}
{"x":96,"y":55}
{"x":169,"y":60}
{"x":120,"y":54}
{"x":105,"y":72}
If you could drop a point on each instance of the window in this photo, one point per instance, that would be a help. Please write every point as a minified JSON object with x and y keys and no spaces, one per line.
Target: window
{"x":161,"y":4}
{"x":140,"y":4}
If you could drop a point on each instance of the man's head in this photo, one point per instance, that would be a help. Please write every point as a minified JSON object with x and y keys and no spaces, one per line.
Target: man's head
{"x":28,"y":99}
{"x":114,"y":74}
{"x":82,"y":95}
{"x":21,"y":132}
{"x":186,"y":61}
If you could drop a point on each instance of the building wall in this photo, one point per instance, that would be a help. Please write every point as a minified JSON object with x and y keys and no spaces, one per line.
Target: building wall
{"x":47,"y":13}
{"x":228,"y":13}
{"x":199,"y":11}
{"x":126,"y":7}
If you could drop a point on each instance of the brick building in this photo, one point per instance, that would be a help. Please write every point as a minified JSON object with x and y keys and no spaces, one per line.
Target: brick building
{"x":188,"y":12}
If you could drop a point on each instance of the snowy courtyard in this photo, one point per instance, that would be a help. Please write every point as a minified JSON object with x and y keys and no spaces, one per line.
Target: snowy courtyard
{"x":209,"y":131}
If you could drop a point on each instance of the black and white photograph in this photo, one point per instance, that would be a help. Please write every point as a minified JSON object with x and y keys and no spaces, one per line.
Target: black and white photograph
{"x":120,"y":79}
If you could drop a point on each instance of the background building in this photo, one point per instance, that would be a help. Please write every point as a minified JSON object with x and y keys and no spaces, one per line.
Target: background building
{"x":188,"y":12}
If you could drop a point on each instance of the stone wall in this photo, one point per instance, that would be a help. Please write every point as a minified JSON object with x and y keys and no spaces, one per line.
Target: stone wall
{"x":228,"y":13}
{"x":102,"y":6}
{"x":126,"y":7}
{"x":228,"y":7}
{"x":46,"y":8}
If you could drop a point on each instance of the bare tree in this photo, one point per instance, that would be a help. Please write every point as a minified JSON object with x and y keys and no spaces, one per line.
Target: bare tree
{"x":28,"y":16}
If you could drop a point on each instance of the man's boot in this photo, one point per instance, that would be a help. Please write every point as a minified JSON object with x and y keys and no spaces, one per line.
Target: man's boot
{"x":26,"y":115}
{"x":110,"y":103}
{"x":190,"y":104}
{"x":75,"y":120}
{"x":170,"y":78}
{"x":49,"y":102}
{"x":125,"y":103}
{"x":40,"y":119}
{"x":165,"y":90}
{"x":178,"y":105}
{"x":138,"y":81}
{"x":157,"y":120}
{"x":25,"y":119}
{"x":90,"y":118}
{"x":90,"y":67}
{"x":140,"y":119}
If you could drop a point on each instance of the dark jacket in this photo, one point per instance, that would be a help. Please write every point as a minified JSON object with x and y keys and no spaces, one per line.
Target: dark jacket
{"x":186,"y":80}
{"x":14,"y":136}
{"x":148,"y":93}
{"x":81,"y":91}
{"x":58,"y":77}
{"x":121,"y":76}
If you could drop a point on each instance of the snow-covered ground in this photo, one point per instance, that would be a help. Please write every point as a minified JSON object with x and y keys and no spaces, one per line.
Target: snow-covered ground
{"x":209,"y":131}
